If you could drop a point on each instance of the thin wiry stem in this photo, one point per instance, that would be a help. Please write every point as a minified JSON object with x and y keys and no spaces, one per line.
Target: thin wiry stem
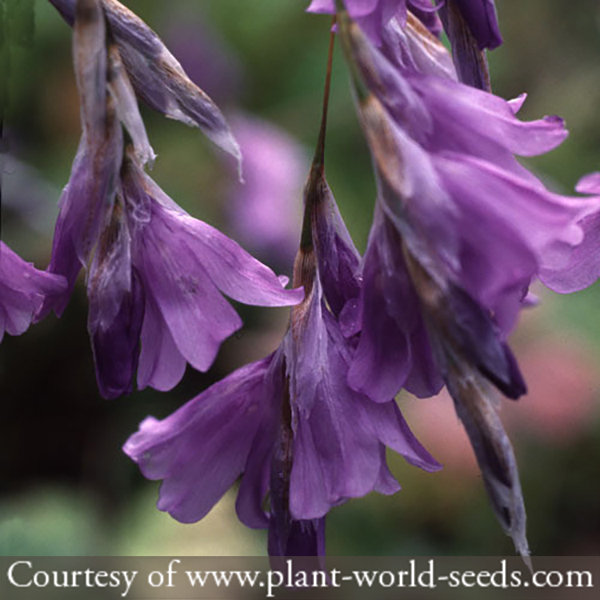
{"x":319,"y":159}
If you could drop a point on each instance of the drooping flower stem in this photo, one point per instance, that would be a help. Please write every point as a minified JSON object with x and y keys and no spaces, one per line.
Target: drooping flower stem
{"x":304,"y":266}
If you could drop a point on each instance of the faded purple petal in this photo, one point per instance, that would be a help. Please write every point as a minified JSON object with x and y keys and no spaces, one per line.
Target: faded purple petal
{"x":157,"y":76}
{"x":494,"y":454}
{"x":88,"y":198}
{"x":84,"y":205}
{"x":427,"y":14}
{"x":127,"y":108}
{"x":89,"y":54}
{"x":23,"y":290}
{"x":410,"y":46}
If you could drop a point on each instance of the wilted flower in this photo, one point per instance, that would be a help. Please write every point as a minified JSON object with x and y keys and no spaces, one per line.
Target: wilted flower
{"x":157,"y":77}
{"x":154,"y":272}
{"x":23,"y":290}
{"x":290,"y":423}
{"x":460,"y":231}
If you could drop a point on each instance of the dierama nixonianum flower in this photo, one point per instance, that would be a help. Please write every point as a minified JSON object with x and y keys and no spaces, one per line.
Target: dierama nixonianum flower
{"x":290,"y":423}
{"x":461,"y":229}
{"x":155,"y":274}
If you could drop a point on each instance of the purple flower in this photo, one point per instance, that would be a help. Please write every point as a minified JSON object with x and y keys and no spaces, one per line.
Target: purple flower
{"x":23,"y":290}
{"x":265,"y":211}
{"x":157,"y":77}
{"x":452,"y":141}
{"x":155,"y":274}
{"x":289,"y":423}
{"x":374,"y":15}
{"x":461,"y":229}
{"x":184,"y":266}
{"x":472,"y":27}
{"x":582,"y":265}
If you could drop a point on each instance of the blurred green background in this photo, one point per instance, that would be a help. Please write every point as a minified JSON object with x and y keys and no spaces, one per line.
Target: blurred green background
{"x":65,"y":486}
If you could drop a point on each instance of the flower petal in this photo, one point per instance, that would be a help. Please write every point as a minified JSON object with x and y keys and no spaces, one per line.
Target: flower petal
{"x":116,"y":348}
{"x":23,"y":290}
{"x":201,"y":449}
{"x":127,"y":107}
{"x":257,"y":472}
{"x":235,"y":272}
{"x":85,"y":205}
{"x":197,"y":315}
{"x":161,"y":365}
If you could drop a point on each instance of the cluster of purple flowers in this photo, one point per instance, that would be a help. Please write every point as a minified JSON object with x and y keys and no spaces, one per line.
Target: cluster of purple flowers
{"x":460,"y":231}
{"x":154,"y":274}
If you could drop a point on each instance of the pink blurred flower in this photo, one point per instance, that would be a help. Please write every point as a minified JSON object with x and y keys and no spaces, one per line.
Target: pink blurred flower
{"x":265,"y":211}
{"x":442,"y":433}
{"x":564,"y":389}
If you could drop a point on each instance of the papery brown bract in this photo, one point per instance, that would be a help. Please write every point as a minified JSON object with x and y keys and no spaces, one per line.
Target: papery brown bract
{"x":157,"y":77}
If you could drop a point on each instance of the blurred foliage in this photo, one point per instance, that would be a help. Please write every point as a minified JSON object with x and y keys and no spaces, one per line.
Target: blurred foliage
{"x":66,"y":488}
